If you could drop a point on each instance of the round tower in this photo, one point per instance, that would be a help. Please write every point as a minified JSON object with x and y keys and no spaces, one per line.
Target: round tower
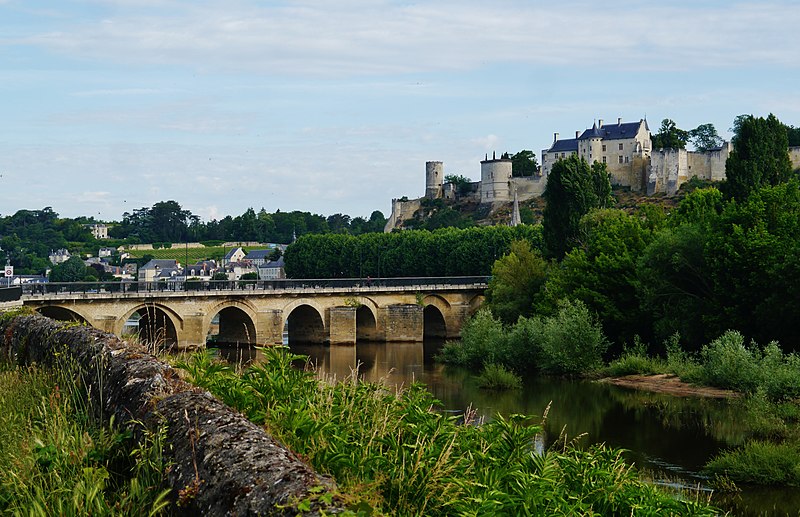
{"x":434,"y":179}
{"x":495,"y":180}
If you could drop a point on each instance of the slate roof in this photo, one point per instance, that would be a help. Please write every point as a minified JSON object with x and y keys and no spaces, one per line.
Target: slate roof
{"x":567,"y":145}
{"x":160,"y":263}
{"x":273,"y":264}
{"x":230,"y":254}
{"x":613,"y":131}
{"x":258,"y":254}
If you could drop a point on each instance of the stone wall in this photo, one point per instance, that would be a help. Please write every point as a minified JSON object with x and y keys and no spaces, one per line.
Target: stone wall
{"x":236,"y":467}
{"x":794,"y":155}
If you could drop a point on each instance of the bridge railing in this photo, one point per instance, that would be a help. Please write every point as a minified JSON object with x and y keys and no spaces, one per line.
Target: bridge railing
{"x":355,"y":284}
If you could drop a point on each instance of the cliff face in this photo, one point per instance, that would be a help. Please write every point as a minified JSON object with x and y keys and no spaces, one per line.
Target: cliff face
{"x":227,"y":464}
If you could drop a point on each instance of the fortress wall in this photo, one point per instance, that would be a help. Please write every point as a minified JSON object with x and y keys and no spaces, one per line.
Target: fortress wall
{"x":401,"y":210}
{"x":528,"y":187}
{"x":668,"y":169}
{"x":794,"y":155}
{"x":237,"y":468}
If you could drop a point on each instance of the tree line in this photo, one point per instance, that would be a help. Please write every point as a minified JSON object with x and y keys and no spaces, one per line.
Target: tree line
{"x":28,"y":236}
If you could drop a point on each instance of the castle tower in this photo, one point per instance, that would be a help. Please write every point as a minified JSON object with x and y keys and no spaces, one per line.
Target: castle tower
{"x":434,"y":179}
{"x":495,"y":179}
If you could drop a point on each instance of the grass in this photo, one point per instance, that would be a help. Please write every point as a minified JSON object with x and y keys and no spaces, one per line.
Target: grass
{"x":394,"y":454}
{"x":498,"y":377}
{"x":180,"y":253}
{"x":56,"y":457}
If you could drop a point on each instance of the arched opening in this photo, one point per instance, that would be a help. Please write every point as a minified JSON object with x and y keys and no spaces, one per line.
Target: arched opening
{"x":231,"y":327}
{"x":61,"y":314}
{"x":304,"y":325}
{"x":153,"y":327}
{"x":366,"y":326}
{"x":434,"y":325}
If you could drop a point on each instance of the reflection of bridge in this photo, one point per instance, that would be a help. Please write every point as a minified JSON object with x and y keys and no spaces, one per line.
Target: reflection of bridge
{"x":338,"y":311}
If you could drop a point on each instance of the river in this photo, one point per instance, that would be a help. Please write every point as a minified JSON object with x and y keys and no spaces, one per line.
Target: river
{"x":670,"y":437}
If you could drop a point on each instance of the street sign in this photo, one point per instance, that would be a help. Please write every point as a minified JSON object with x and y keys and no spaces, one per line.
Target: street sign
{"x":9,"y":271}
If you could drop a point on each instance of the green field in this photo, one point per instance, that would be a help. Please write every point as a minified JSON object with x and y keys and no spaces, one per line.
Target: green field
{"x":181,"y":254}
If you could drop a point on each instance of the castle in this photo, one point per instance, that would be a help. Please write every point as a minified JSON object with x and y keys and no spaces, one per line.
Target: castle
{"x":625,"y":148}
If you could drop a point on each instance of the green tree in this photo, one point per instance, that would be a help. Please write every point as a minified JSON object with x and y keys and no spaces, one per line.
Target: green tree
{"x":705,"y":137}
{"x":461,"y":183}
{"x":669,"y":136}
{"x":524,"y":164}
{"x":760,"y":156}
{"x":793,"y":134}
{"x":516,"y":279}
{"x":72,"y":270}
{"x":573,"y":188}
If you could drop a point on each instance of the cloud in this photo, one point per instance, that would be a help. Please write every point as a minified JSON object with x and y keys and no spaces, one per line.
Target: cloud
{"x":384,"y":37}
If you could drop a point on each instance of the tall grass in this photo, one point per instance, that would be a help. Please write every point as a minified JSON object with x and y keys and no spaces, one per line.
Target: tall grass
{"x":56,"y":457}
{"x":393,"y":452}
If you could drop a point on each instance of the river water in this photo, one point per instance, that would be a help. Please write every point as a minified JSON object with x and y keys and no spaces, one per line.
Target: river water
{"x":670,"y":437}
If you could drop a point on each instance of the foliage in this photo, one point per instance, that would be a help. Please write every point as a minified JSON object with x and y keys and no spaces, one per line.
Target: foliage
{"x":411,"y":253}
{"x":461,"y":183}
{"x":760,"y":156}
{"x":516,"y":279}
{"x":394,"y":454}
{"x":498,"y":377}
{"x":524,"y":164}
{"x":635,"y":360}
{"x":57,"y":459}
{"x":759,"y":462}
{"x":72,"y":270}
{"x":573,"y":188}
{"x":669,"y":136}
{"x":570,"y":342}
{"x":705,"y":137}
{"x":601,"y":272}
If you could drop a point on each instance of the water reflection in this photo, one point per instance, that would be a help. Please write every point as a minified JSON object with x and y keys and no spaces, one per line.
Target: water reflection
{"x":670,"y":436}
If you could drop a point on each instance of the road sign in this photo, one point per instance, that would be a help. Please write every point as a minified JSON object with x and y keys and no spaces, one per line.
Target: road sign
{"x":9,"y":271}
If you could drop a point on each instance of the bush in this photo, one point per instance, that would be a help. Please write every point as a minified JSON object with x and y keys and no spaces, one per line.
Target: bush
{"x":763,"y":463}
{"x":483,"y":341}
{"x":727,"y":363}
{"x":498,"y":377}
{"x":572,"y":341}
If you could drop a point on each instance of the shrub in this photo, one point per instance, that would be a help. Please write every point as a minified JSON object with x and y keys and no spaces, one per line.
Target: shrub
{"x":483,"y":341}
{"x":498,"y":377}
{"x":763,"y":463}
{"x":634,"y":360}
{"x":728,"y":363}
{"x":572,"y":341}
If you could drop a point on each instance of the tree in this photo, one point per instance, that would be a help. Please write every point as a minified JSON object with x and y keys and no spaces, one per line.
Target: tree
{"x":669,"y":136}
{"x":524,"y":164}
{"x":794,"y":135}
{"x":573,"y":188}
{"x":705,"y":137}
{"x":516,"y":279}
{"x":72,"y":270}
{"x":460,"y":182}
{"x":760,"y":156}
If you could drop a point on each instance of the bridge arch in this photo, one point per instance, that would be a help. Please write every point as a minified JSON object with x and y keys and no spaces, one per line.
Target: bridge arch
{"x":57,"y":312}
{"x":156,"y":325}
{"x":434,"y":315}
{"x":304,"y":323}
{"x":235,"y":323}
{"x":366,"y":324}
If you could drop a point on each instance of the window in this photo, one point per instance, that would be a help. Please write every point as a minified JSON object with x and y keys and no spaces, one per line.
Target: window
{"x":604,"y":159}
{"x":563,"y":155}
{"x":604,"y":147}
{"x":620,"y":147}
{"x":626,"y":159}
{"x":620,"y":159}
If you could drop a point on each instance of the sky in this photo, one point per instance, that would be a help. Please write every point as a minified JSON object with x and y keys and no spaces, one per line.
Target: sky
{"x":334,"y":107}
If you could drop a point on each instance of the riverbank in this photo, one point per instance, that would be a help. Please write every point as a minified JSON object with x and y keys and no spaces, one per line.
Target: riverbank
{"x":669,"y":384}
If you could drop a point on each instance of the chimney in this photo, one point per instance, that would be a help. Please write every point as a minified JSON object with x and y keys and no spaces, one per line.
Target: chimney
{"x":619,"y":121}
{"x":555,"y":137}
{"x":577,"y":134}
{"x":600,"y":122}
{"x":493,"y":156}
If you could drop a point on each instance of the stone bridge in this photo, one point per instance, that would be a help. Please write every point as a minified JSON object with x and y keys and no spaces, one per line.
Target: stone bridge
{"x":339,"y":311}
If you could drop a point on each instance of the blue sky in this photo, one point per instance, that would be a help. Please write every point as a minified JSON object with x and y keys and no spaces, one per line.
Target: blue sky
{"x":112,"y":105}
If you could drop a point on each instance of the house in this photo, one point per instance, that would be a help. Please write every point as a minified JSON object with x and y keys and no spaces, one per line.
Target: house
{"x":153,"y":270}
{"x":624,"y":147}
{"x":235,"y":270}
{"x":59,"y":256}
{"x":203,"y":270}
{"x":234,"y":255}
{"x":105,"y":252}
{"x":100,"y":231}
{"x":272,"y":270}
{"x":258,"y":257}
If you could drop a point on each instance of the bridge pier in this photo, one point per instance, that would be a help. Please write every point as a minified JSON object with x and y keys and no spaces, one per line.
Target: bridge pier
{"x":403,"y":322}
{"x":342,"y":325}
